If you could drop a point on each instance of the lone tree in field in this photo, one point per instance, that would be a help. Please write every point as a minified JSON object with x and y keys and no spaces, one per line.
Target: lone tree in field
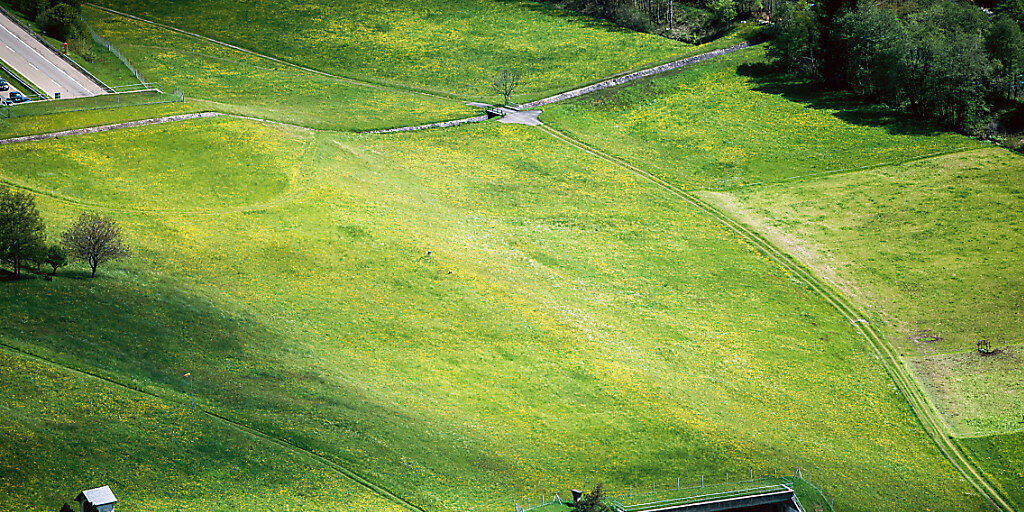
{"x":593,"y":501}
{"x":94,"y":239}
{"x":21,"y":228}
{"x":56,"y":257}
{"x":506,"y":83}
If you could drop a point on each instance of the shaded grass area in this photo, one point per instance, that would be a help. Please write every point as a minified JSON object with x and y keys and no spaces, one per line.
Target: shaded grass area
{"x":732,"y":122}
{"x":232,"y":81}
{"x":1001,"y":458}
{"x":63,"y":432}
{"x":449,"y":46}
{"x":469,"y":315}
{"x":930,"y":248}
{"x":241,"y":163}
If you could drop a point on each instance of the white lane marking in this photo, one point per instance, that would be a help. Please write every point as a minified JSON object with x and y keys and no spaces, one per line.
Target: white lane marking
{"x":82,"y":89}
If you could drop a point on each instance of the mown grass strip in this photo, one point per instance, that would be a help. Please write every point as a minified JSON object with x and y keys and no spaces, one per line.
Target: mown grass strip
{"x":925,"y":411}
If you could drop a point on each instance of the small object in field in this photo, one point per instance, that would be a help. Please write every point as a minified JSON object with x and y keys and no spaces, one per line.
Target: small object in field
{"x":985,"y":347}
{"x":100,"y":499}
{"x":576,"y":495}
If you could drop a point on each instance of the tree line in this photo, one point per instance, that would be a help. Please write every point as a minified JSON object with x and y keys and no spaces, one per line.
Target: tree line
{"x":687,"y":20}
{"x":944,"y":60}
{"x":93,"y":238}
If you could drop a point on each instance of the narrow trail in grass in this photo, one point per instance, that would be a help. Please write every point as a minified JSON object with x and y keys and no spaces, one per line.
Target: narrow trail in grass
{"x":293,"y":190}
{"x":223,"y":420}
{"x":925,"y":411}
{"x":352,"y":81}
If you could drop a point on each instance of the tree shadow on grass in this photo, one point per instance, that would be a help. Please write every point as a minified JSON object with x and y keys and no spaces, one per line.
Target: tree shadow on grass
{"x":770,"y":79}
{"x":150,"y":335}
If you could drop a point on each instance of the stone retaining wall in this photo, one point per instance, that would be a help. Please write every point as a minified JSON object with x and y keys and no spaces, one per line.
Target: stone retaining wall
{"x":634,"y":76}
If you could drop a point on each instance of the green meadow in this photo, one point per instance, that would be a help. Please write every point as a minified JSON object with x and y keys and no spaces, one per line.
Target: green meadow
{"x":455,"y":319}
{"x":931,"y":249}
{"x":452,"y":47}
{"x":466,"y":316}
{"x":220,"y":78}
{"x":732,"y":122}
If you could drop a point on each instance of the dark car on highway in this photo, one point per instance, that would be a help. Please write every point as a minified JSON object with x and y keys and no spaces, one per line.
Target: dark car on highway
{"x":3,"y":85}
{"x":17,"y":97}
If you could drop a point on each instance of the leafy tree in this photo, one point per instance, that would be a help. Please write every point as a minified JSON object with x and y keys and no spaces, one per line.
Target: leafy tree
{"x":56,"y":257}
{"x":94,"y":239}
{"x":593,"y":501}
{"x":1005,"y":45}
{"x":65,"y":508}
{"x":505,"y":83}
{"x":796,"y":36}
{"x":21,"y":228}
{"x":59,"y":21}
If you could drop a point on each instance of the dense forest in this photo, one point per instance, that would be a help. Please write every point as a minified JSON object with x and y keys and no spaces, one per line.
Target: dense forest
{"x":687,"y":20}
{"x":960,"y":64}
{"x":956,"y":63}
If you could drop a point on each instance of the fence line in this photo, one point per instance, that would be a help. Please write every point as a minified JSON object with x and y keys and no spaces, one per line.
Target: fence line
{"x":115,"y":50}
{"x":528,"y":503}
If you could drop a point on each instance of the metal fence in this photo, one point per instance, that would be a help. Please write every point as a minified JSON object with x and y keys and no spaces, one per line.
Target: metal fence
{"x":127,"y":96}
{"x":691,"y":488}
{"x":115,"y":50}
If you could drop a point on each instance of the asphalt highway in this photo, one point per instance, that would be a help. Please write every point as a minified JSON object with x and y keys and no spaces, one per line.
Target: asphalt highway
{"x":21,"y":52}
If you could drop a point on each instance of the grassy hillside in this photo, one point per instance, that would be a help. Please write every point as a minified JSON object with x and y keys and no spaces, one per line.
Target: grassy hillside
{"x":442,"y":45}
{"x":220,"y":78}
{"x":64,"y":431}
{"x":931,"y":249}
{"x":1001,"y":458}
{"x":732,"y":122}
{"x":469,"y":315}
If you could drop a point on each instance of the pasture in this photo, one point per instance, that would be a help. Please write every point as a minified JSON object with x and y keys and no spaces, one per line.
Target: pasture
{"x":732,"y":122}
{"x":931,"y":249}
{"x":588,"y":321}
{"x":457,"y":318}
{"x":448,"y":47}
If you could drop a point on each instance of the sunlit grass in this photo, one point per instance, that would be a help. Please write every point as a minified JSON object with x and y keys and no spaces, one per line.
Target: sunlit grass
{"x":444,"y":45}
{"x":467,"y":316}
{"x":732,"y":122}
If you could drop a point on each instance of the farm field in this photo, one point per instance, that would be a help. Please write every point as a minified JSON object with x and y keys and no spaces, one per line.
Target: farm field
{"x":588,"y":320}
{"x":930,"y":248}
{"x":450,"y":320}
{"x":731,"y":122}
{"x":227,"y":80}
{"x":451,"y":47}
{"x":178,"y":456}
{"x":943,"y":229}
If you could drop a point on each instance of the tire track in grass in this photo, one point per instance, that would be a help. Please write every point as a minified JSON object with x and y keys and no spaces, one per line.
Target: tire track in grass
{"x":289,"y":446}
{"x":925,"y":411}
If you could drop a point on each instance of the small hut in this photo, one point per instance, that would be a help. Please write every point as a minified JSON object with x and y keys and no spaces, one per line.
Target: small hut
{"x":100,"y":499}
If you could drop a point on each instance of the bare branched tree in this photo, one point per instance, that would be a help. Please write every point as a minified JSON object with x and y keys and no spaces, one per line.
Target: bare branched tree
{"x":94,"y":239}
{"x":506,"y":83}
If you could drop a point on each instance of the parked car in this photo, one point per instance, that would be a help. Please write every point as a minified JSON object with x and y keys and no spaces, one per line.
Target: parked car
{"x":3,"y":85}
{"x":17,"y":97}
